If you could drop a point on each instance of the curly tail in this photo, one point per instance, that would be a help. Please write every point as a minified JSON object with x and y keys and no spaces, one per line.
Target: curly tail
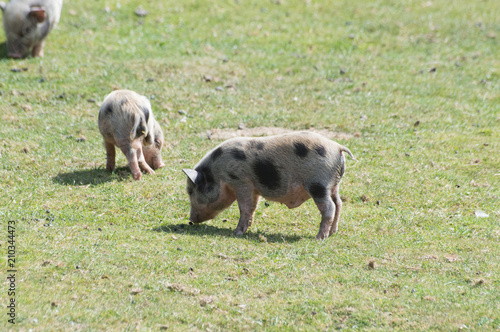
{"x":343,"y":148}
{"x":139,"y":128}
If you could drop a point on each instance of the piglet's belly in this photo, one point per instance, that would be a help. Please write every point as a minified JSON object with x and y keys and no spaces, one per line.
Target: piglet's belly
{"x":293,"y":198}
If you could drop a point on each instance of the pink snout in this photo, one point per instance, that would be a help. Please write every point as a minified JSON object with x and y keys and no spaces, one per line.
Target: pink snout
{"x":194,"y":217}
{"x":157,"y":164}
{"x":15,"y":55}
{"x":194,"y":220}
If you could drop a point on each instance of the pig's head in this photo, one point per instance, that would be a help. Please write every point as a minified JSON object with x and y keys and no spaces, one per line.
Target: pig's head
{"x":208,"y":197}
{"x":24,"y":25}
{"x":152,"y":153}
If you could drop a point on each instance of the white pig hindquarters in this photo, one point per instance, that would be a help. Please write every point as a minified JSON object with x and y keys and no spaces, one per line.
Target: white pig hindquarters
{"x":126,"y":120}
{"x":27,"y":23}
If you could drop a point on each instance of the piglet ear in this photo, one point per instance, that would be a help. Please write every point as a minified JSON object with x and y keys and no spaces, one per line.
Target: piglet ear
{"x":2,"y":5}
{"x":38,"y":13}
{"x":191,"y":174}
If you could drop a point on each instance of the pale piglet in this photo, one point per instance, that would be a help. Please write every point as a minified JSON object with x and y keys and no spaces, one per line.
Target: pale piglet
{"x":126,"y":120}
{"x":288,"y":168}
{"x":27,"y":24}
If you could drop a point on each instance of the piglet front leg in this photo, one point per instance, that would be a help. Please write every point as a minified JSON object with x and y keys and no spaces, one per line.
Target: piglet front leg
{"x":38,"y":50}
{"x":142,"y":161}
{"x":247,"y":203}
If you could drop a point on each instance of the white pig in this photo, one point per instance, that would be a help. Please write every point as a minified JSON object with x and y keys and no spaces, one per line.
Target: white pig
{"x":27,"y":24}
{"x":288,"y":168}
{"x":126,"y":120}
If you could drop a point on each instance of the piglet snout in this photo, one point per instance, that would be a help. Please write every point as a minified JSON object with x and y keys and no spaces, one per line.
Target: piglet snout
{"x":15,"y":55}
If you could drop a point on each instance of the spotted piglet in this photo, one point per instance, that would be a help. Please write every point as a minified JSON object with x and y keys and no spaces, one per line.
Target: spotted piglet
{"x":126,"y":120}
{"x":288,"y":168}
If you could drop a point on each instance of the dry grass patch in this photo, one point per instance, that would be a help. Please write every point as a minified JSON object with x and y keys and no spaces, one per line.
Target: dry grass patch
{"x":224,"y":134}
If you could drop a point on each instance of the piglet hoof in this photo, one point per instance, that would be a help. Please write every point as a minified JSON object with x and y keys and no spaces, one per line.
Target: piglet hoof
{"x":332,"y":231}
{"x":146,"y":169}
{"x":137,"y":176}
{"x":321,"y":236}
{"x":238,"y":232}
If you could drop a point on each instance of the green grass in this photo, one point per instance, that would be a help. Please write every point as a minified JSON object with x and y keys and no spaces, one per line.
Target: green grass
{"x":99,"y":251}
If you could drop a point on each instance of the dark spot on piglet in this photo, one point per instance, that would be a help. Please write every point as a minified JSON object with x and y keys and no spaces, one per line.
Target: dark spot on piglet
{"x":232,"y":176}
{"x":321,"y":150}
{"x":108,"y":110}
{"x":238,"y":154}
{"x":267,"y":173}
{"x":317,"y":190}
{"x":301,"y":149}
{"x":216,"y":154}
{"x":257,"y":145}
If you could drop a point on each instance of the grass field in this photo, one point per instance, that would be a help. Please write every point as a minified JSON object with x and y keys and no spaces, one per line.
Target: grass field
{"x":411,"y":87}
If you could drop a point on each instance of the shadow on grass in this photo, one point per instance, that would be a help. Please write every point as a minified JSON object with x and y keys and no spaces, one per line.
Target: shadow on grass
{"x":3,"y":50}
{"x":92,"y":177}
{"x":203,"y":229}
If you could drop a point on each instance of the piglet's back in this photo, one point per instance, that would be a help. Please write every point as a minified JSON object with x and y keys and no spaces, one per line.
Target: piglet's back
{"x":274,"y":163}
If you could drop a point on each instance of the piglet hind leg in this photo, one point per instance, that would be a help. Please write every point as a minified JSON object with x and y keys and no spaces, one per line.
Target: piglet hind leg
{"x":247,"y":203}
{"x":131,"y":155}
{"x":327,"y":208}
{"x":110,"y":156}
{"x":338,"y":207}
{"x":323,"y":199}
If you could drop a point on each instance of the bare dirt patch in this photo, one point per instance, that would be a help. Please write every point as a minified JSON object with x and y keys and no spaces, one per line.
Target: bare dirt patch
{"x":223,"y":134}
